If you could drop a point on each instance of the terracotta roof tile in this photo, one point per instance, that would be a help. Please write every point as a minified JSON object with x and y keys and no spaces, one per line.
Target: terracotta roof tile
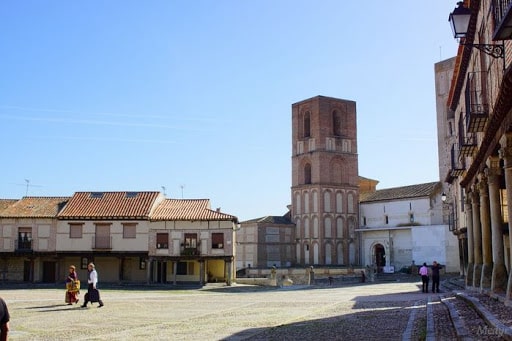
{"x":4,"y":203}
{"x":413,"y":191}
{"x":109,"y":205}
{"x":35,"y":207}
{"x":188,"y":209}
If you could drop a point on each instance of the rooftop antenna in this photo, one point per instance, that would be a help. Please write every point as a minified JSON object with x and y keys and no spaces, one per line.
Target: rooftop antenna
{"x":182,"y":186}
{"x":163,"y":189}
{"x":27,"y":185}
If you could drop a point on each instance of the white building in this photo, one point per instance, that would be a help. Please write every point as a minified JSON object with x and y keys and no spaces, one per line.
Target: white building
{"x":404,"y":225}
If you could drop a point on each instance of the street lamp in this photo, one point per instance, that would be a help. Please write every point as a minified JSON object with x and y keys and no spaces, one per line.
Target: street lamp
{"x":459,"y":20}
{"x":451,"y":217}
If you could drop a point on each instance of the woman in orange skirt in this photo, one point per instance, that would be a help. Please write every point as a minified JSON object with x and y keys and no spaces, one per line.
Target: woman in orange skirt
{"x":72,"y":286}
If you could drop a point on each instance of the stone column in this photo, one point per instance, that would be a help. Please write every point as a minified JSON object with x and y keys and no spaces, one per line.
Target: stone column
{"x":499,"y":271}
{"x":506,"y":155}
{"x":201,"y":272}
{"x":229,"y":272}
{"x":485,"y":223}
{"x":477,"y":239}
{"x":469,"y":232}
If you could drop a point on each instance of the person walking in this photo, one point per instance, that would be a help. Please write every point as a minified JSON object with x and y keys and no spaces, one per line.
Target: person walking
{"x":93,"y":295}
{"x":72,"y":286}
{"x":424,"y":277}
{"x":435,"y":276}
{"x":4,"y":320}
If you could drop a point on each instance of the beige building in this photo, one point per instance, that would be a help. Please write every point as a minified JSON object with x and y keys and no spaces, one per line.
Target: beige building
{"x":28,"y":243}
{"x":130,"y":236}
{"x":265,"y":242}
{"x":474,"y":93}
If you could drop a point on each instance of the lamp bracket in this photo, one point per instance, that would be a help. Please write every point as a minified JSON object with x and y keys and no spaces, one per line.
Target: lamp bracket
{"x":493,"y":50}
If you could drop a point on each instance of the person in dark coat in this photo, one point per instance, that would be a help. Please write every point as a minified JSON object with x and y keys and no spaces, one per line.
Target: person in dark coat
{"x":93,"y":295}
{"x":435,"y":276}
{"x":4,"y":320}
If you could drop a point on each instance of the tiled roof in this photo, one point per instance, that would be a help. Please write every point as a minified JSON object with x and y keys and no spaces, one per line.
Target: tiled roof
{"x":270,"y":219}
{"x":413,"y":191}
{"x":188,"y":209}
{"x":4,"y":203}
{"x":109,"y":205}
{"x":34,"y":207}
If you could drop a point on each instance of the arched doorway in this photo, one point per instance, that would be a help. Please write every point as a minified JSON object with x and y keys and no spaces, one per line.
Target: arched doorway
{"x":380,"y":256}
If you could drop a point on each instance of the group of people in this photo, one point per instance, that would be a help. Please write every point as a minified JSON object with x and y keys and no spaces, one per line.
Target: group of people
{"x":425,"y":273}
{"x":73,"y":287}
{"x":72,"y":291}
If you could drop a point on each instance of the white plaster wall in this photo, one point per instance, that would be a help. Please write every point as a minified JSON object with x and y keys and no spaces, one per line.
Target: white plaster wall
{"x":397,"y":212}
{"x":435,"y":243}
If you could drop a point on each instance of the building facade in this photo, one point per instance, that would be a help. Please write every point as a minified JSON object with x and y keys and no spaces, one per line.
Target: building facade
{"x":132,"y":237}
{"x":476,"y":143}
{"x":325,"y":183}
{"x":403,"y":226}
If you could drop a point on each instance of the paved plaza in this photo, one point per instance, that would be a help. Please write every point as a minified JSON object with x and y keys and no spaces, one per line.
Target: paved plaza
{"x":351,"y":312}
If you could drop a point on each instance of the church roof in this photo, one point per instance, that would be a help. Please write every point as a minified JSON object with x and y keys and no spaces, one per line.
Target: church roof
{"x":404,"y":192}
{"x":270,"y":219}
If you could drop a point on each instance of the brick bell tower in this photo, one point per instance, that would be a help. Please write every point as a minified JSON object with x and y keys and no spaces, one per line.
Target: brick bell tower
{"x":325,"y":181}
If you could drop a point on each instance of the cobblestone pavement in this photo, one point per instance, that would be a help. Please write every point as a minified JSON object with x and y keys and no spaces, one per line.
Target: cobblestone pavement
{"x":385,"y":310}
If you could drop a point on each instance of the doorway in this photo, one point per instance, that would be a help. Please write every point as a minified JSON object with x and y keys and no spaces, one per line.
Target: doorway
{"x":49,"y":272}
{"x":380,"y":256}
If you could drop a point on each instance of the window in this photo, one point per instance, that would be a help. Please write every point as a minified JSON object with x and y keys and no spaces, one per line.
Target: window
{"x":162,"y":240}
{"x":217,"y":240}
{"x":96,"y":195}
{"x":129,"y":230}
{"x":190,"y":240}
{"x":142,"y":263}
{"x":75,"y":230}
{"x":364,"y":221}
{"x":25,"y":238}
{"x":307,"y":124}
{"x":307,"y":174}
{"x":84,"y":262}
{"x":336,"y":123}
{"x":386,"y":219}
{"x":131,"y":194}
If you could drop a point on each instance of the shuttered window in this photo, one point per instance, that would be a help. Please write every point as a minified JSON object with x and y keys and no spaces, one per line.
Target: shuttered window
{"x":162,"y":240}
{"x":75,"y":230}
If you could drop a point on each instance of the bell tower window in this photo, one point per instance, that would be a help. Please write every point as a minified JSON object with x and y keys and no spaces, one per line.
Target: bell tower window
{"x":307,"y":173}
{"x":307,"y":124}
{"x":336,"y":123}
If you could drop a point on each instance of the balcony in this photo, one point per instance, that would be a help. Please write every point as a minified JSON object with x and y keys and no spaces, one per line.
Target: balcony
{"x":477,"y":108}
{"x":457,"y":165}
{"x":102,"y":242}
{"x":502,"y":15}
{"x":467,"y":144}
{"x":23,"y":245}
{"x":191,"y":251}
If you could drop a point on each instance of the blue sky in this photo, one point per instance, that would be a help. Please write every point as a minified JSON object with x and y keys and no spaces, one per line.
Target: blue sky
{"x":195,"y":96}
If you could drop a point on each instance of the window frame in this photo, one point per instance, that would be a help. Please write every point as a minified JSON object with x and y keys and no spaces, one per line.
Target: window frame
{"x":160,"y":243}
{"x":216,"y":237}
{"x":127,"y":233}
{"x":73,"y":230}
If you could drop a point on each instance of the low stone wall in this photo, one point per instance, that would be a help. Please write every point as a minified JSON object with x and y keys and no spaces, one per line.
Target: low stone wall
{"x":299,"y":276}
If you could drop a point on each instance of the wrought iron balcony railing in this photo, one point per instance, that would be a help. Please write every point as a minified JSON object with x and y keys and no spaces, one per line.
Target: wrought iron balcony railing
{"x":502,"y":15}
{"x":477,"y":107}
{"x":23,"y":245}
